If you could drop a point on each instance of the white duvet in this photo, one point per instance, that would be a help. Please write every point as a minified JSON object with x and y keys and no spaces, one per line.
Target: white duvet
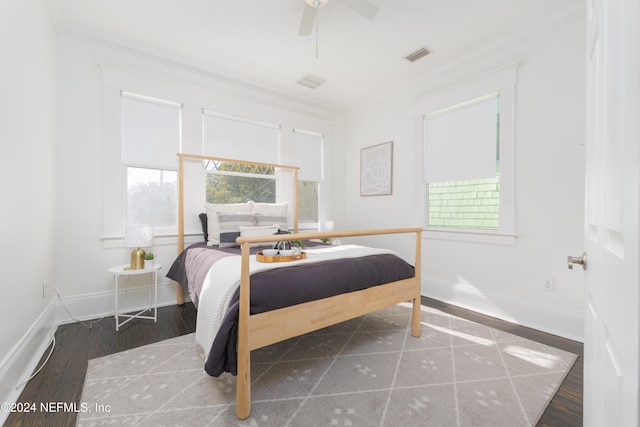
{"x":224,"y":278}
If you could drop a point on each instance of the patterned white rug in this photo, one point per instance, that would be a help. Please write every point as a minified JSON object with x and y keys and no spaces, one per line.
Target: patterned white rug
{"x":366,"y":372}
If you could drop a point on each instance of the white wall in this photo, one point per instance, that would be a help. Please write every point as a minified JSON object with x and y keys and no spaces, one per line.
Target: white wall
{"x":504,"y":281}
{"x":27,"y":180}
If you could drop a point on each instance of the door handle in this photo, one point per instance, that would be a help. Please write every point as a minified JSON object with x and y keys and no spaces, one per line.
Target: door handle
{"x":581,"y":260}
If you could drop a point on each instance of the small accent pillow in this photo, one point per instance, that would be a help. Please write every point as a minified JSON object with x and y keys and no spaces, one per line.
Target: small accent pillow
{"x":213,"y":227}
{"x":230,"y":224}
{"x":259,"y":231}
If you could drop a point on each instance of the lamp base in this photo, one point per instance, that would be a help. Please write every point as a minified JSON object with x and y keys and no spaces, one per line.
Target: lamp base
{"x":137,"y":260}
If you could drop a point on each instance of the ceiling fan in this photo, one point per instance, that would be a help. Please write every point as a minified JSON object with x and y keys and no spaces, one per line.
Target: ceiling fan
{"x":362,"y":7}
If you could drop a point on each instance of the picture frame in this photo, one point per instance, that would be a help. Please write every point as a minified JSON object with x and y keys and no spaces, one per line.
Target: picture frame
{"x":376,"y":169}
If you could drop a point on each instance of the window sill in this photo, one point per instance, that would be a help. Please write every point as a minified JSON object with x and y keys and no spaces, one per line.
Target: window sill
{"x":471,"y":236}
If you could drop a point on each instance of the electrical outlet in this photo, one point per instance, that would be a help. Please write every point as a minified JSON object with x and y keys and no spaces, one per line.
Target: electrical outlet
{"x":548,"y":284}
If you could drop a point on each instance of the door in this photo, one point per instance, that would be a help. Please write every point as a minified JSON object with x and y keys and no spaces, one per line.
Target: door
{"x":612,"y":275}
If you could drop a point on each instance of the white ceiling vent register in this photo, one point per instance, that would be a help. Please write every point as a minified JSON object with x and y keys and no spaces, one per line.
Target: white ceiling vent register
{"x":309,"y":80}
{"x":418,"y":54}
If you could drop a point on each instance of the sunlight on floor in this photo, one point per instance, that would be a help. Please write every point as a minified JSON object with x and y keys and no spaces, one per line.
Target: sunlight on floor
{"x":472,"y":338}
{"x":544,"y":360}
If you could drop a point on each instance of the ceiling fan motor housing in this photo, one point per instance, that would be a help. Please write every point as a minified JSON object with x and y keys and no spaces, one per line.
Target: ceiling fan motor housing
{"x":316,"y":3}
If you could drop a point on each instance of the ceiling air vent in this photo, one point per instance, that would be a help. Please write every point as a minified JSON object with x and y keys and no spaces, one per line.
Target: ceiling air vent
{"x":309,"y":80}
{"x":418,"y":54}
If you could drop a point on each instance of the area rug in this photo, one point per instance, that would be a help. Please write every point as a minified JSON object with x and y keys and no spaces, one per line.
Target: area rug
{"x":368,"y":371}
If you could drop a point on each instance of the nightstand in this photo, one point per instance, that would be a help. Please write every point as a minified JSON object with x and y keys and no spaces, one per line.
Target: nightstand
{"x":119,"y":271}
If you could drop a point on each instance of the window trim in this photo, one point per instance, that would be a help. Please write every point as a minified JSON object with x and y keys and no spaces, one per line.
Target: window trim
{"x":503,"y":81}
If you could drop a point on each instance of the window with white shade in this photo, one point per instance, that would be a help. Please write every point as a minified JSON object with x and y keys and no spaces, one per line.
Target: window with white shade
{"x":462,"y":165}
{"x":238,"y":138}
{"x":468,"y":159}
{"x":150,"y":141}
{"x":308,"y":157}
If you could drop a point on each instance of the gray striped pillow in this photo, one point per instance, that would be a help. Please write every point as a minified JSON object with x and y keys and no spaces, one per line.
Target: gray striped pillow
{"x":230,"y":224}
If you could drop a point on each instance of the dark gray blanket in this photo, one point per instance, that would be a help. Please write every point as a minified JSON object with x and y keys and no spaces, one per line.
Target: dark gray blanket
{"x":288,"y":286}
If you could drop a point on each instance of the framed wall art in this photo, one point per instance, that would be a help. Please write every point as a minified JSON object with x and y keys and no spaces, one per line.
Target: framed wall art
{"x":376,"y":169}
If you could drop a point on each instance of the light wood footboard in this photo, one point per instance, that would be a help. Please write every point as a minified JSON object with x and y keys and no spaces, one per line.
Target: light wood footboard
{"x":259,"y":330}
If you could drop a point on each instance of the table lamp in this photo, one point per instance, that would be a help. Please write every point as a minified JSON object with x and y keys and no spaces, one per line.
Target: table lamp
{"x":137,"y":237}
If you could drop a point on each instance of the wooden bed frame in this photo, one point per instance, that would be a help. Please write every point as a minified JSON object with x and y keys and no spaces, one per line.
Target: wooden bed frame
{"x":262,"y":329}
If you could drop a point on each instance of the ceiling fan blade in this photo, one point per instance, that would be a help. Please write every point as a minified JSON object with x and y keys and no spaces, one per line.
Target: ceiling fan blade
{"x":308,"y":18}
{"x":362,"y":7}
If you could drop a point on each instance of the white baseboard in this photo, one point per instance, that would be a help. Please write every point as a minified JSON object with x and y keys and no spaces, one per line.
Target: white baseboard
{"x":102,"y":304}
{"x":23,"y":359}
{"x":550,"y":319}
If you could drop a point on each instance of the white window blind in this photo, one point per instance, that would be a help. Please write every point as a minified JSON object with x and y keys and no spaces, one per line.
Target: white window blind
{"x":150,"y":131}
{"x":460,"y":142}
{"x":236,"y":138}
{"x":308,"y":155}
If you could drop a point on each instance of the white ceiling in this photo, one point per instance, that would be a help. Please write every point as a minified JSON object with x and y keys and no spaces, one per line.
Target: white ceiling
{"x":257,"y":42}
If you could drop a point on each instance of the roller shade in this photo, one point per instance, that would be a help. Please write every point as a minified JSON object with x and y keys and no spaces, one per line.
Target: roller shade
{"x":460,"y":142}
{"x":308,"y":155}
{"x":235,"y":138}
{"x":150,"y":131}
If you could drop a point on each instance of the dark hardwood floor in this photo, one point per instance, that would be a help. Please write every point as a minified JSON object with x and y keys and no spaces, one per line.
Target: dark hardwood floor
{"x":62,"y":378}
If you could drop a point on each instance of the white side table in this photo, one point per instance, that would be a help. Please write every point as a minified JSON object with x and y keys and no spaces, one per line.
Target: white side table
{"x":119,"y":271}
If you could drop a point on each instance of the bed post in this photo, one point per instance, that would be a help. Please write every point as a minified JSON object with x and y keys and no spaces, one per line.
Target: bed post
{"x":180,"y":291}
{"x":243,"y":387}
{"x":415,"y":318}
{"x":295,"y":198}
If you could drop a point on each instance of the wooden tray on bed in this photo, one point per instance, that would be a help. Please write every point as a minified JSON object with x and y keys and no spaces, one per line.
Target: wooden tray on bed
{"x":280,"y":258}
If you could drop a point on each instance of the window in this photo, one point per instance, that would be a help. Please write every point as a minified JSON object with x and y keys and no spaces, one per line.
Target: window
{"x":229,"y":182}
{"x":468,"y":143}
{"x":308,"y":157}
{"x":239,"y":138}
{"x":462,"y":137}
{"x":151,"y":197}
{"x":150,"y":141}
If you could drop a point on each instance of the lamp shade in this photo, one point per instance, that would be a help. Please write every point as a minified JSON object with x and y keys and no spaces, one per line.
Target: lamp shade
{"x":138,"y":237}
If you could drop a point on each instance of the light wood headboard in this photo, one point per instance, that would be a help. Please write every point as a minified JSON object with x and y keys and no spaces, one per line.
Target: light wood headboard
{"x":181,"y":159}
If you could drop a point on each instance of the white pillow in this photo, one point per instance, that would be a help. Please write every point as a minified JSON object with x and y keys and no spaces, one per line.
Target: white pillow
{"x":259,"y":231}
{"x":276,"y":209}
{"x":271,"y":213}
{"x":213,"y":226}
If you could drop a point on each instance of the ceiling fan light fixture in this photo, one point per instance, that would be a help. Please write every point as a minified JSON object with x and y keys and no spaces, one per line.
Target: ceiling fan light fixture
{"x":316,"y":3}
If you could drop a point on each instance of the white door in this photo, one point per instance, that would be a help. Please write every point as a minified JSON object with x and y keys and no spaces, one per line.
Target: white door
{"x":612,"y":214}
